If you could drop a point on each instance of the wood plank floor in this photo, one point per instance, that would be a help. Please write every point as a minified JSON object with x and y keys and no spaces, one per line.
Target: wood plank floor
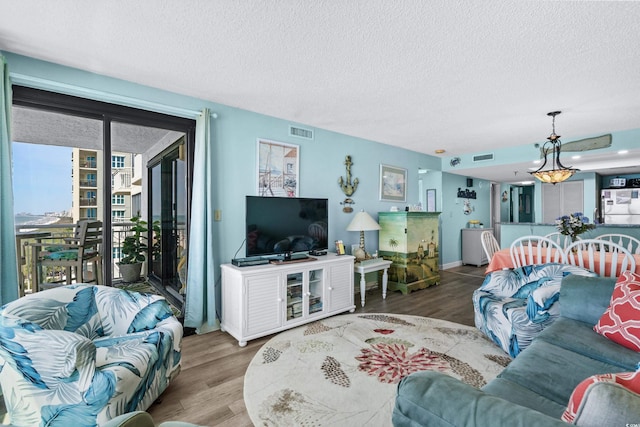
{"x":209,"y":389}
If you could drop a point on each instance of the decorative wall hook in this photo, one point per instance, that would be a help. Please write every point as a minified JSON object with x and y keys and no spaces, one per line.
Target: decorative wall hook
{"x":348,"y":188}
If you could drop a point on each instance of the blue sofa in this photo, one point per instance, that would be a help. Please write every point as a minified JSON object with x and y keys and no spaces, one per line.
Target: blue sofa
{"x":536,"y":386}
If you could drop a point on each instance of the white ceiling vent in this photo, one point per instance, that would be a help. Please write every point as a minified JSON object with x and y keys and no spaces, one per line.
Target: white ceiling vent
{"x":483,"y":157}
{"x":300,"y":132}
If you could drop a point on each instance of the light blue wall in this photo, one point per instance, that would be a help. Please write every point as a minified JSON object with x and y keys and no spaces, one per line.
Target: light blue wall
{"x":453,"y":219}
{"x":234,"y":133}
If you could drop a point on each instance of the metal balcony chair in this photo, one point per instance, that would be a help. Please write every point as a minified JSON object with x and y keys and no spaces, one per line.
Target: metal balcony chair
{"x":85,"y":247}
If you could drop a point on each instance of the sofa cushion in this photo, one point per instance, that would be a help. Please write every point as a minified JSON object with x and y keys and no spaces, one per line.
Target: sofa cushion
{"x":543,"y":369}
{"x":580,"y":338}
{"x":523,"y":396}
{"x":125,"y":312}
{"x":585,"y":298}
{"x":68,"y":308}
{"x":434,"y":399}
{"x":620,"y":322}
{"x":599,"y":398}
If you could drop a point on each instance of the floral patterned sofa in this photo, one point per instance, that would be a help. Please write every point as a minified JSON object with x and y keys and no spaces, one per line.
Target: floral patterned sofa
{"x":83,"y":354}
{"x":512,"y":306}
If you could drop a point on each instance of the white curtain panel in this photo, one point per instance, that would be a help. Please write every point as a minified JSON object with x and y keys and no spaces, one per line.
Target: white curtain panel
{"x":8,"y":258}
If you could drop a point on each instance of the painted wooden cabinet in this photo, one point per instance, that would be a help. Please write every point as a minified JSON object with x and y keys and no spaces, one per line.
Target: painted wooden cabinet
{"x":264,"y":299}
{"x":410,"y":240}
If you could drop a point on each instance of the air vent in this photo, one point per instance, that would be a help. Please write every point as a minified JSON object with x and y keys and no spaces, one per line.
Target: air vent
{"x":300,"y":132}
{"x":483,"y":157}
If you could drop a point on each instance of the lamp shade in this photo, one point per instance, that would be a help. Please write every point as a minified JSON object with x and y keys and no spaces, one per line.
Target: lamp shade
{"x":363,"y":222}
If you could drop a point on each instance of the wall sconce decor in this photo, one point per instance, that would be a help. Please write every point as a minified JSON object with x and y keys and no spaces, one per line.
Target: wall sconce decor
{"x":558,"y":172}
{"x":348,"y":187}
{"x":347,"y":205}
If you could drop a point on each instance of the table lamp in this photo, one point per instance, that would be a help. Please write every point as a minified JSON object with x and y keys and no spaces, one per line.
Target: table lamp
{"x":362,"y":222}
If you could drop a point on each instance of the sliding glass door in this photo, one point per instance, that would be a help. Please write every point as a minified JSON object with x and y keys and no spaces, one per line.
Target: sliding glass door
{"x":105,"y":150}
{"x":168,"y":215}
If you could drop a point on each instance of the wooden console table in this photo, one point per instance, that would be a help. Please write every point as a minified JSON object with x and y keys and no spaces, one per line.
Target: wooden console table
{"x":369,"y":267}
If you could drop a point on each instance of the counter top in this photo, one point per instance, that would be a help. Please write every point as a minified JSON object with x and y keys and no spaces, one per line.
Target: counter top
{"x":553,"y":224}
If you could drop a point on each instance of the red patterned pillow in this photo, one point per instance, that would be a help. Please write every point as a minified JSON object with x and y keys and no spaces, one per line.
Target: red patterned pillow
{"x":621,"y":321}
{"x":628,"y":380}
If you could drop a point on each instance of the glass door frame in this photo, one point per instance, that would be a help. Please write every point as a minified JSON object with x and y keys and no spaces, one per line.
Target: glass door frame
{"x":83,"y":107}
{"x":169,"y":155}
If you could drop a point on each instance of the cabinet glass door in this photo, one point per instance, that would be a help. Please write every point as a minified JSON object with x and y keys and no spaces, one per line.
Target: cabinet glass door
{"x":316,"y":287}
{"x":294,"y":296}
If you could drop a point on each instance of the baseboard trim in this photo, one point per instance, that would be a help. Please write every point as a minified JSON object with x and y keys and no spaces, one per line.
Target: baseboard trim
{"x":451,"y":265}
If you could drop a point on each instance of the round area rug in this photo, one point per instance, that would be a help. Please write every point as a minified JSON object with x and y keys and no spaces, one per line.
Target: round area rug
{"x":344,"y":370}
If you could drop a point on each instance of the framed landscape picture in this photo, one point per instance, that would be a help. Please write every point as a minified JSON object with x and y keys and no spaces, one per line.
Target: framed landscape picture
{"x":278,"y":169}
{"x":393,"y":183}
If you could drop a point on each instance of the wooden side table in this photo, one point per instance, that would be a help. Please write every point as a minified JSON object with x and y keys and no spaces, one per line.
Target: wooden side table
{"x":368,"y":267}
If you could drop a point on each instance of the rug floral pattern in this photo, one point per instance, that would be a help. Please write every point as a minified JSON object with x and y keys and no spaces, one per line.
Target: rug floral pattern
{"x":344,"y":370}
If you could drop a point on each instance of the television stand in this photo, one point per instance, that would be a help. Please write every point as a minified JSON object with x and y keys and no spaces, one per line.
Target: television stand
{"x":264,"y":299}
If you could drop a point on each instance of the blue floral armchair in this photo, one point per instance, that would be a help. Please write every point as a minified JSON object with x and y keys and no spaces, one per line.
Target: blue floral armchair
{"x":512,"y":306}
{"x":83,"y":354}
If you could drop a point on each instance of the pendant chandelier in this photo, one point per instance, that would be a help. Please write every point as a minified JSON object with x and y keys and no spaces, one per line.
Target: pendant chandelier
{"x":558,"y":171}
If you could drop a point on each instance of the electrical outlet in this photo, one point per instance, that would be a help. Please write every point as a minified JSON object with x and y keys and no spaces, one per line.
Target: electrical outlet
{"x":217,"y":215}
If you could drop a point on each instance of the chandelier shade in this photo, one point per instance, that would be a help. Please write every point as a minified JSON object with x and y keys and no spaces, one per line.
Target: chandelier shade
{"x":556,"y":172}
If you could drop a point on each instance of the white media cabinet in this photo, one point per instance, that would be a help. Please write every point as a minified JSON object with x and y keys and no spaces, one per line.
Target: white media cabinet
{"x":265,"y":299}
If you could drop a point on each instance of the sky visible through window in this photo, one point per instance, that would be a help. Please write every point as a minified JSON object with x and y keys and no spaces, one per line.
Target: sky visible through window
{"x":41,"y":178}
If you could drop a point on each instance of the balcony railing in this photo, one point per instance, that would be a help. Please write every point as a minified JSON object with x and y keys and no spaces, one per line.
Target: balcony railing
{"x":88,"y":183}
{"x":91,"y":165}
{"x":55,"y":234}
{"x":88,"y":201}
{"x":121,"y":180}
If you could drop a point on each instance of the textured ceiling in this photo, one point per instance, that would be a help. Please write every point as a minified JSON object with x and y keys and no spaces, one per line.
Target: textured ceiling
{"x":465,"y":76}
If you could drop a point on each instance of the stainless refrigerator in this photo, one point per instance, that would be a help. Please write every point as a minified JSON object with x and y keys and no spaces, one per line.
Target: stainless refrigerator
{"x":620,"y":206}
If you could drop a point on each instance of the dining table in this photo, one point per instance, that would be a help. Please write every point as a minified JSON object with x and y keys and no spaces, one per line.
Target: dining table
{"x":501,"y":260}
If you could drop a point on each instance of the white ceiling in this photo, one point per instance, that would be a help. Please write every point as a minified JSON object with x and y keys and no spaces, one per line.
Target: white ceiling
{"x":464,"y":76}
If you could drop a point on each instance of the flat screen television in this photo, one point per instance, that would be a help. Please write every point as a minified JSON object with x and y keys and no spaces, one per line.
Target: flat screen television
{"x":277,"y":225}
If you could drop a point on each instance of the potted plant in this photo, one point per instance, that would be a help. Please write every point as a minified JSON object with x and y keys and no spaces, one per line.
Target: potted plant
{"x":134,"y":250}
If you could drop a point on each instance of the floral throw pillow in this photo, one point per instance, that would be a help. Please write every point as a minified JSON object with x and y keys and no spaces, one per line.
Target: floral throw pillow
{"x":621,"y":321}
{"x":580,"y":396}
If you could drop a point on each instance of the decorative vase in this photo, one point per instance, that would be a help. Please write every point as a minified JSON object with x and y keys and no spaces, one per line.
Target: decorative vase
{"x":574,"y":238}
